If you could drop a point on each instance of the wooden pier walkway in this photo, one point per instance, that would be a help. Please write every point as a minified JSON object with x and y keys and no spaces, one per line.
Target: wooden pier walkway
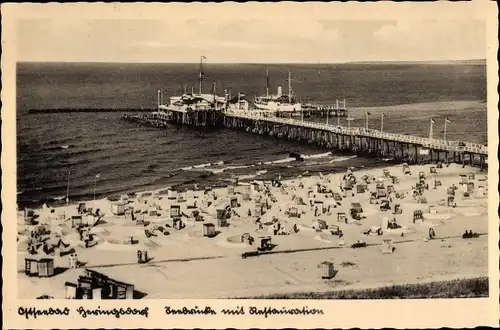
{"x":436,"y":144}
{"x":357,"y":140}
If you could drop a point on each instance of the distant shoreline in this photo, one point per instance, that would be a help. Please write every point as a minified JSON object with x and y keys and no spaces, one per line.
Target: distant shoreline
{"x":430,"y":62}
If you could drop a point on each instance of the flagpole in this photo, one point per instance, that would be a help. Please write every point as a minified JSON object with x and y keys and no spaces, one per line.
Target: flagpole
{"x":201,"y":72}
{"x":267,"y":82}
{"x":215,"y":100}
{"x":366,"y":126}
{"x":382,"y":122}
{"x":445,"y":122}
{"x":430,"y":131}
{"x":327,"y":112}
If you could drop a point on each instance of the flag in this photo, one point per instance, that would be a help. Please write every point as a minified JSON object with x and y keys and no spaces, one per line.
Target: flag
{"x":383,"y":114}
{"x":368,"y":113}
{"x":433,"y":121}
{"x":447,"y":120}
{"x":98,"y":176}
{"x":203,"y":57}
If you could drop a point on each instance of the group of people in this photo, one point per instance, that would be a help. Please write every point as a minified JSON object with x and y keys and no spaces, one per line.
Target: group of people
{"x":469,"y":234}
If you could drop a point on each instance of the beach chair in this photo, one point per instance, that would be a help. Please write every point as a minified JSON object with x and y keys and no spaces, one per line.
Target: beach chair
{"x":373,"y":198}
{"x":337,"y":197}
{"x":387,"y":174}
{"x":472,"y":176}
{"x":357,"y":207}
{"x":470,"y":187}
{"x":421,"y":175}
{"x":451,"y":201}
{"x":341,"y":217}
{"x":394,"y":179}
{"x":293,"y":213}
{"x":421,"y":200}
{"x":361,"y":188}
{"x":393,"y":224}
{"x":390,"y":189}
{"x":463,"y":179}
{"x":437,"y":183}
{"x":397,"y":209}
{"x":417,"y":215}
{"x":265,"y":244}
{"x":420,"y":188}
{"x":406,"y":169}
{"x":348,"y":192}
{"x":381,"y":193}
{"x":175,"y":211}
{"x":384,"y":205}
{"x":387,"y":247}
{"x":355,"y":214}
{"x":320,"y":225}
{"x":335,"y":230}
{"x":433,"y":170}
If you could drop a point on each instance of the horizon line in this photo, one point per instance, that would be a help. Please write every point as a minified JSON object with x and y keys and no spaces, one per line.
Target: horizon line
{"x":263,"y":63}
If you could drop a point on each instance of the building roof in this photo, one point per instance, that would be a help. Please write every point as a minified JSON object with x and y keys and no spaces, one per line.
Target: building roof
{"x":109,"y":274}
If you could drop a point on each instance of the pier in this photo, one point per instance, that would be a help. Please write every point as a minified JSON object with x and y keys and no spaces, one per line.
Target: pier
{"x":356,"y":140}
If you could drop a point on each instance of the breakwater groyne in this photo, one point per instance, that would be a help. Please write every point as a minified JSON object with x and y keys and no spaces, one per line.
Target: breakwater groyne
{"x":356,"y":140}
{"x":65,"y":110}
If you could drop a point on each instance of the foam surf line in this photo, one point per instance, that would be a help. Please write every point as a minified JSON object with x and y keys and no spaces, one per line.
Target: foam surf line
{"x":251,"y":176}
{"x":187,"y":168}
{"x":340,"y":159}
{"x":325,"y":154}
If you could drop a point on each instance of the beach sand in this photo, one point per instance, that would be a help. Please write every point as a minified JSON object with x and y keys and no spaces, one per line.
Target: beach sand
{"x":187,"y":265}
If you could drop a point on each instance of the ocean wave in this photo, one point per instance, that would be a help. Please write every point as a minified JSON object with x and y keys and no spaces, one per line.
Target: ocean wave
{"x":57,"y":147}
{"x":197,"y":167}
{"x":206,"y":166}
{"x":314,"y":156}
{"x":340,"y":159}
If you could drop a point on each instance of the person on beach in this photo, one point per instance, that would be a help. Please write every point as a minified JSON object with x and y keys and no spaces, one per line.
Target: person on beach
{"x":139,"y":256}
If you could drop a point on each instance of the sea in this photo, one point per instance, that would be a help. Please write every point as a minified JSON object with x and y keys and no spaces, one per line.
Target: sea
{"x":99,"y":154}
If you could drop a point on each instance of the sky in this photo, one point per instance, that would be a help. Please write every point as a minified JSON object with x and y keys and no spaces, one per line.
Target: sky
{"x":251,"y":40}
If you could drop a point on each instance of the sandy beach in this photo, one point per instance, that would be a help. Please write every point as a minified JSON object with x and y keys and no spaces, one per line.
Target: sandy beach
{"x":186,"y":264}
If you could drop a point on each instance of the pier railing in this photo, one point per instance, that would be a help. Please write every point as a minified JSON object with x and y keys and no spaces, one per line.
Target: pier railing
{"x":457,"y":146}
